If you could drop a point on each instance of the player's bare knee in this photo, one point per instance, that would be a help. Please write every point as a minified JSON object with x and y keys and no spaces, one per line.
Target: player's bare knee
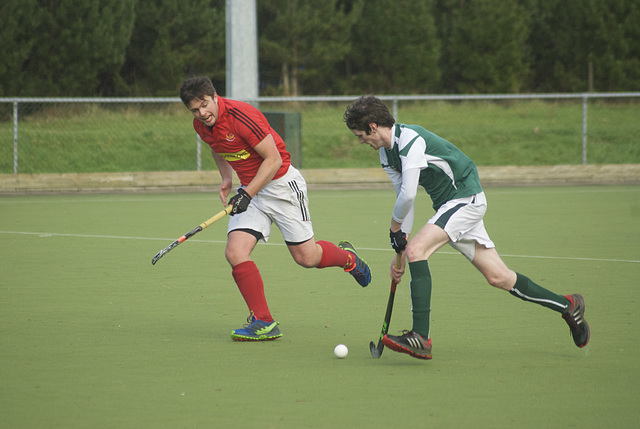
{"x":306,"y":262}
{"x":306,"y":259}
{"x":228,"y":256}
{"x":494,"y":281}
{"x":234,"y":257}
{"x":413,"y":253}
{"x":500,"y":281}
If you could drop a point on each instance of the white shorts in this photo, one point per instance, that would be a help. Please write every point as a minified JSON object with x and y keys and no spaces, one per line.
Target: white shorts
{"x":461,"y":219}
{"x":284,"y":202}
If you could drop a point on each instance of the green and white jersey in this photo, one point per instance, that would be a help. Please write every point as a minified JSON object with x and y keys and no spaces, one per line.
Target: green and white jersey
{"x":419,"y":157}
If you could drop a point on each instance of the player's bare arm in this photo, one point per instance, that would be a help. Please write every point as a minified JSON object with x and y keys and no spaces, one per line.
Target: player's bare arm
{"x":395,"y":226}
{"x":226,"y":172}
{"x":272,"y":161}
{"x":397,"y":272}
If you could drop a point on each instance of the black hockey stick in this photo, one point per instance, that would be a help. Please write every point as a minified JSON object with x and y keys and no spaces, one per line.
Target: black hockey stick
{"x":376,"y":351}
{"x":191,"y":233}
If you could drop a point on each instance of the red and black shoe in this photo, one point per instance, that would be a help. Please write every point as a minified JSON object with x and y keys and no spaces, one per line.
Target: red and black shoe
{"x":410,"y":343}
{"x":579,"y":327}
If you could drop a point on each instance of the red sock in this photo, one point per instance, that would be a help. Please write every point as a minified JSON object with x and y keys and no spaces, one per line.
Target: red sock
{"x":333,"y":256}
{"x":249,"y":282}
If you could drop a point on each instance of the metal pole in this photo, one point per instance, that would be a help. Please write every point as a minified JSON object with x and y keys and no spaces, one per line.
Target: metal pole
{"x":242,"y":50}
{"x":584,"y":130}
{"x":15,"y":137}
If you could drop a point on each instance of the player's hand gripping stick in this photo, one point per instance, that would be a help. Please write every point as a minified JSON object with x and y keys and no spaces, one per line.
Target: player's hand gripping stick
{"x":398,"y":240}
{"x":239,"y":202}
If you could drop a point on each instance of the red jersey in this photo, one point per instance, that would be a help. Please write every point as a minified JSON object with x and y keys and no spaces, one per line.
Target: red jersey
{"x":238,"y":129}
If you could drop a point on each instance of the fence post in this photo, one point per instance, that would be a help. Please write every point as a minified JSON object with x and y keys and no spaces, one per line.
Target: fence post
{"x":199,"y":153}
{"x":288,"y":125}
{"x":15,"y":137}
{"x":395,"y":109}
{"x":584,"y":130}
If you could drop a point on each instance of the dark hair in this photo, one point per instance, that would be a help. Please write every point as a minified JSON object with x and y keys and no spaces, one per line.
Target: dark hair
{"x":196,"y":88}
{"x":366,"y":110}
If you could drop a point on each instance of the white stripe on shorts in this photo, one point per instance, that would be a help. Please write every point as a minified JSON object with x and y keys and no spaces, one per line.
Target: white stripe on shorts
{"x":300,"y":196}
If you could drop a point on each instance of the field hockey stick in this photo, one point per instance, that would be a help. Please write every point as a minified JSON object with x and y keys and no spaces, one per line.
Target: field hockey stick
{"x":376,"y":351}
{"x":191,"y":233}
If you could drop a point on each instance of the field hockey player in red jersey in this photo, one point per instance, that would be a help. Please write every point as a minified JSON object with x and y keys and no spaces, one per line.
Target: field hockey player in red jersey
{"x":271,"y":191}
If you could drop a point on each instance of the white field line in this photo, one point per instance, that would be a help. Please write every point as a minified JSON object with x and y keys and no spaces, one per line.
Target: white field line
{"x":141,"y":199}
{"x":53,"y":234}
{"x":213,"y":197}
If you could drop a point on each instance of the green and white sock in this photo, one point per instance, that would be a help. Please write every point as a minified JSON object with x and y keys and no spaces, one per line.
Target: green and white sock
{"x":529,"y":291}
{"x":420,"y":296}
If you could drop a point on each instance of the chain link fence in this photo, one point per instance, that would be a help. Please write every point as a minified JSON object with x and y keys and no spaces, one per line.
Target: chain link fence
{"x":76,"y":135}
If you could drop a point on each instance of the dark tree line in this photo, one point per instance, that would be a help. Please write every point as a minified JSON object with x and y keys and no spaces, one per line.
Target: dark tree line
{"x":147,"y":47}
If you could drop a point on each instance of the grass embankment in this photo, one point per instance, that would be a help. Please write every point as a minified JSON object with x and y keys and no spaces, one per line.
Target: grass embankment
{"x":82,"y":138}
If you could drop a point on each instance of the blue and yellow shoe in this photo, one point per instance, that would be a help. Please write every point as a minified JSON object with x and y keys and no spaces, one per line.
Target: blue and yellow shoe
{"x":359,"y":269}
{"x":257,"y":330}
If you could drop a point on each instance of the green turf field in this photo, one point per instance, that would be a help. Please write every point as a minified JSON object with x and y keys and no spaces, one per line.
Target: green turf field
{"x":93,"y":336}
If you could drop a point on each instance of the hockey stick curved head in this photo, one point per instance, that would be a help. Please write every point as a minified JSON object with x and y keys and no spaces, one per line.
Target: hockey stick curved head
{"x":375,"y":353}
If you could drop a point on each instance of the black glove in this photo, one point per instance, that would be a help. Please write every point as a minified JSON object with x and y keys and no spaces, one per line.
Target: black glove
{"x":240,"y":202}
{"x":398,"y":240}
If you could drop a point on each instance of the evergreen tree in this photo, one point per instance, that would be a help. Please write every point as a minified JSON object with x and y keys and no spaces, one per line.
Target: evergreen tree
{"x":77,"y":47}
{"x":585,"y":45}
{"x":628,"y":14}
{"x":396,"y":48}
{"x":174,"y":39}
{"x":19,"y":18}
{"x":486,"y":49}
{"x":147,"y":47}
{"x":302,"y":42}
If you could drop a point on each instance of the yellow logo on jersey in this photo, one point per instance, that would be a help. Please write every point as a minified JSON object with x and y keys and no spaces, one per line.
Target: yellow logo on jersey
{"x":230,"y":157}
